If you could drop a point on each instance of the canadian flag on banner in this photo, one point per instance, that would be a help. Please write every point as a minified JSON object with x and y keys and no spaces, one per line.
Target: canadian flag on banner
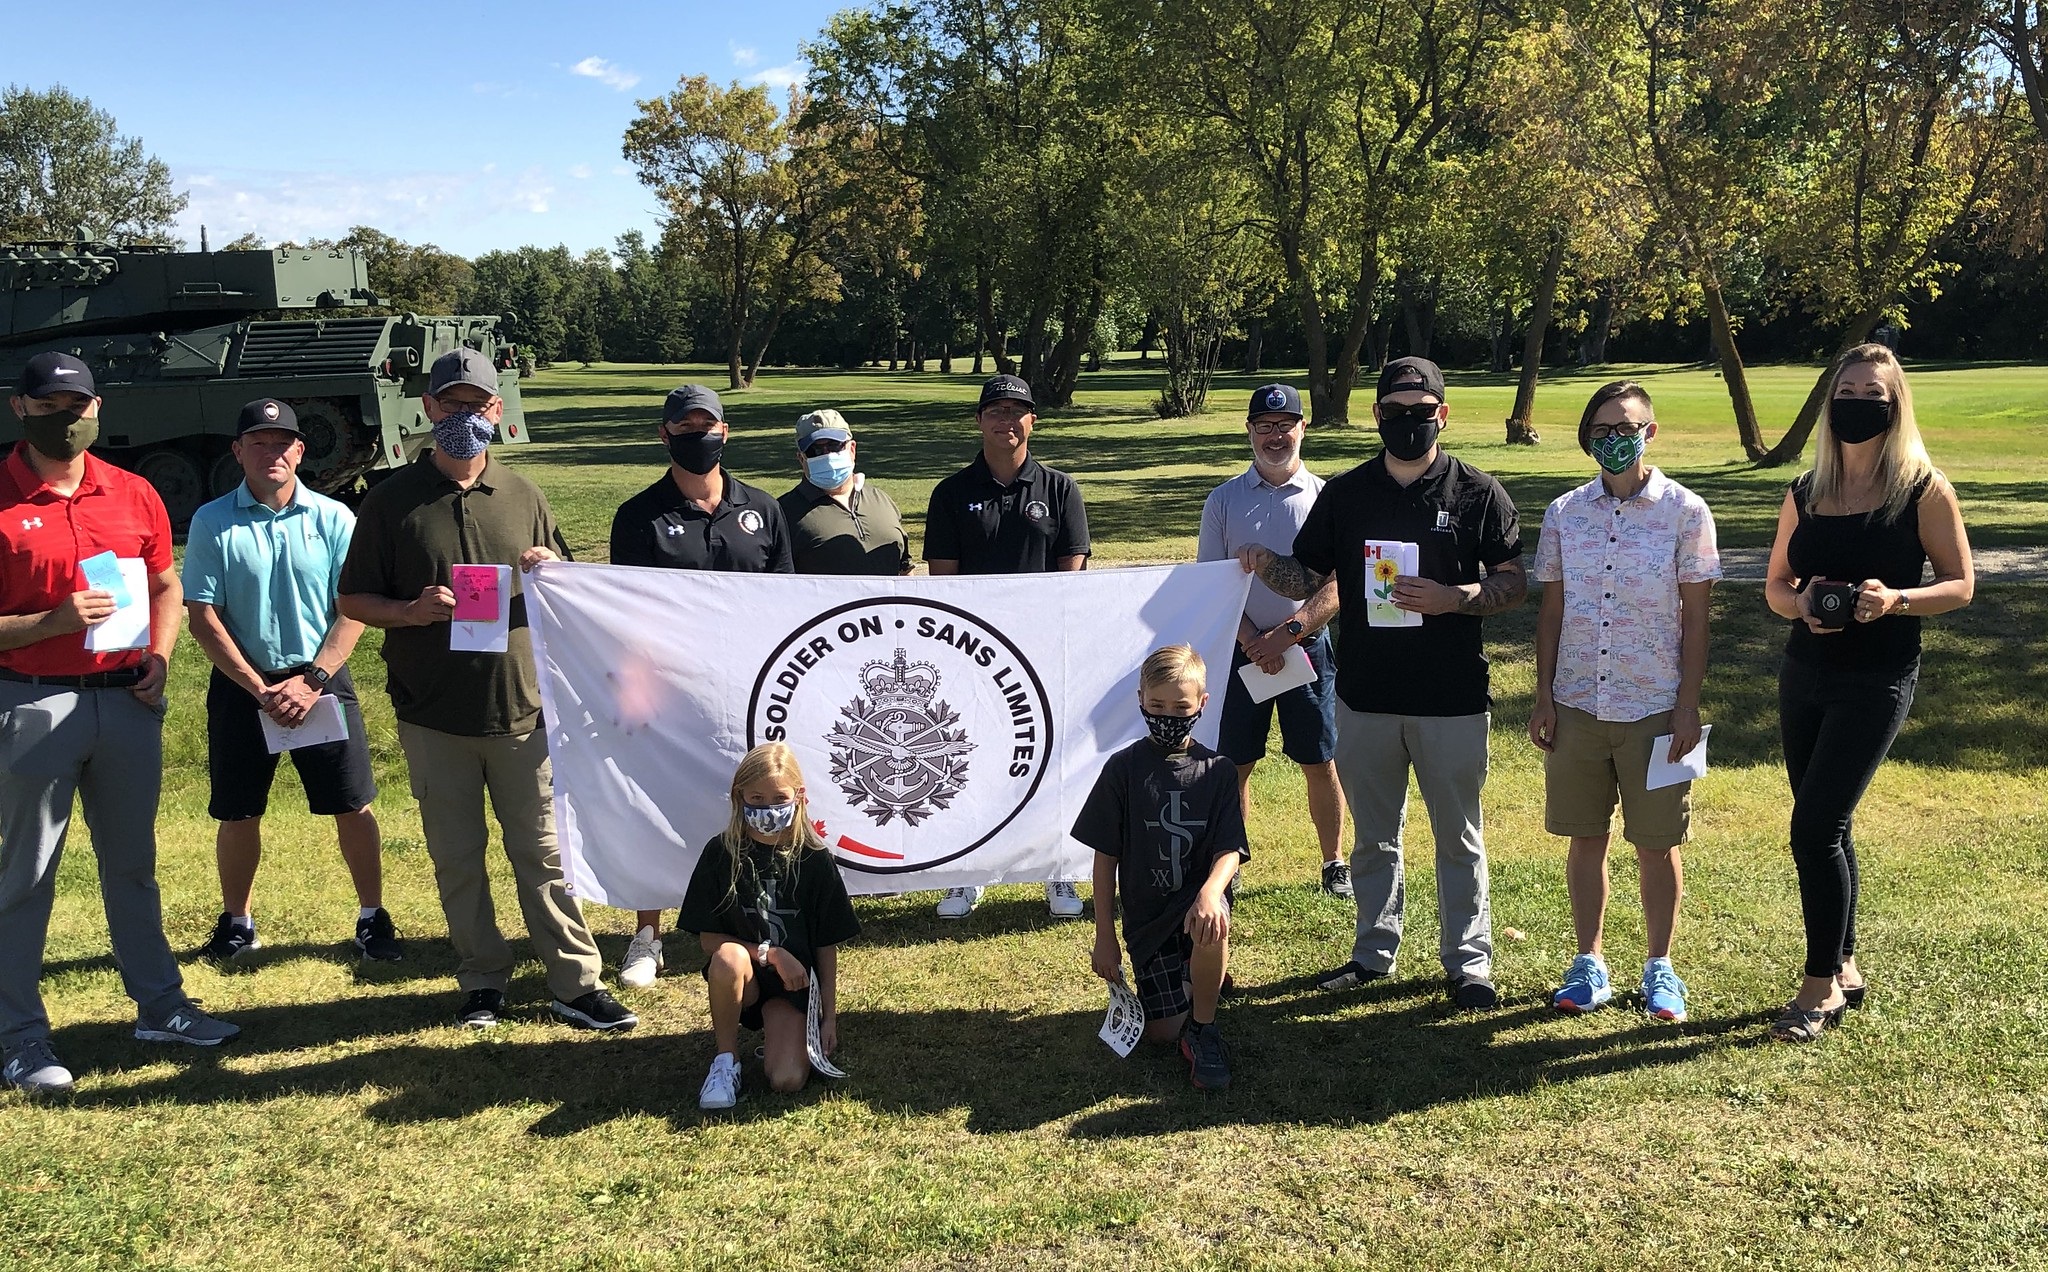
{"x":949,"y":728}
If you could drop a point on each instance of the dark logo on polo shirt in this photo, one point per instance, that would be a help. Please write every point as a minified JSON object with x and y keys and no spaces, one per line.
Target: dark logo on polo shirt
{"x":1036,"y":510}
{"x":922,"y":729}
{"x":750,"y":521}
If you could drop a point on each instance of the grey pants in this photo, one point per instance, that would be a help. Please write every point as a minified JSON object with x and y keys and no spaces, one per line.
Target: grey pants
{"x":450,"y":774}
{"x":1448,"y":753}
{"x":106,"y":747}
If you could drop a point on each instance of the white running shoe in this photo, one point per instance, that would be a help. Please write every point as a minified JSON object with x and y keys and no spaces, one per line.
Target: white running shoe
{"x":958,"y":903}
{"x":643,"y":960}
{"x":722,"y":1085}
{"x":1064,"y":900}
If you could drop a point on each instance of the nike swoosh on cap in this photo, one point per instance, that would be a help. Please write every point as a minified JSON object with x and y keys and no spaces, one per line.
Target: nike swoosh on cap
{"x":62,"y":371}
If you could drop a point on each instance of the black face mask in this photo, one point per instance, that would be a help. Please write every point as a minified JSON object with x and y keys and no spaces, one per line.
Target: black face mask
{"x":1169,"y":731}
{"x":1858,"y":419}
{"x":62,"y":435}
{"x":697,"y":453}
{"x":1408,"y":434}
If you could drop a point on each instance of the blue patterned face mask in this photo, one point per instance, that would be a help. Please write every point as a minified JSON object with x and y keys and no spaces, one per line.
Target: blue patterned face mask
{"x":463,"y":435}
{"x":1618,"y":454}
{"x":772,"y":820}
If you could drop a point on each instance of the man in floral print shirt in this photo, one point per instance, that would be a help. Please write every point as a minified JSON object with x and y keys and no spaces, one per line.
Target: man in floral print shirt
{"x":1627,"y":561}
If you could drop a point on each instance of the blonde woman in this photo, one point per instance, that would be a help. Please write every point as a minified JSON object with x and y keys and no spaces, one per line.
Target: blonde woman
{"x":768,"y":906}
{"x":1855,"y":536}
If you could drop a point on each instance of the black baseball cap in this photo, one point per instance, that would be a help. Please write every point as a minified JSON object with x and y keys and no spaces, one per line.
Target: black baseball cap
{"x":267,"y":413}
{"x":462,"y":366}
{"x":1004,"y":388}
{"x":54,"y":372}
{"x":1269,"y":399}
{"x":690,"y":397}
{"x":1412,"y":375}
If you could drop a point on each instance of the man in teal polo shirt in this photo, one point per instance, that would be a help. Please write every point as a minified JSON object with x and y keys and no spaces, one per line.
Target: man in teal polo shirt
{"x":261,"y":568}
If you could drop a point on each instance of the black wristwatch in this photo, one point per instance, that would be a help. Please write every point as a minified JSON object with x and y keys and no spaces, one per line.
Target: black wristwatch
{"x":316,"y":677}
{"x":1294,"y":628}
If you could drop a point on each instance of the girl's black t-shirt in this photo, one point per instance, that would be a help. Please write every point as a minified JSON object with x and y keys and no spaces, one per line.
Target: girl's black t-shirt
{"x":1850,"y":549}
{"x":799,"y":906}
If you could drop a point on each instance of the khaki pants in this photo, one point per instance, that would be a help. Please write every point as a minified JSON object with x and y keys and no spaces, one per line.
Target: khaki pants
{"x":450,"y":774}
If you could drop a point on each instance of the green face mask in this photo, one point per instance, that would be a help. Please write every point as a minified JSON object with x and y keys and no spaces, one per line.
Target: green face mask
{"x":1618,"y":454}
{"x":62,"y":435}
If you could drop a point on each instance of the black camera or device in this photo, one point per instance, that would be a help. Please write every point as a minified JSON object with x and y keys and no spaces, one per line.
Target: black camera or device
{"x":1833,"y":603}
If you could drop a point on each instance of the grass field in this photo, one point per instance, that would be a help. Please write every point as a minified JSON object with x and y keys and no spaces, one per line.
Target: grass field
{"x":983,"y":1124}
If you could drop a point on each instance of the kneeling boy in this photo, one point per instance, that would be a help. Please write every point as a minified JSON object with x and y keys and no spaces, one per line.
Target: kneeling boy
{"x":1168,"y":834}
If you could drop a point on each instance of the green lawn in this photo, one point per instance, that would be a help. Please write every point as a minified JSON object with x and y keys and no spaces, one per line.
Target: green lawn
{"x":983,"y":1124}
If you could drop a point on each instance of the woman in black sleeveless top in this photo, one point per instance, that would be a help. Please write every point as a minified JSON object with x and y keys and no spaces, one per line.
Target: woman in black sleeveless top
{"x":1874,"y":512}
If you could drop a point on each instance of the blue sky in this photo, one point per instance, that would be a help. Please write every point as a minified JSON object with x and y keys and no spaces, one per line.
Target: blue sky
{"x":471,"y":126}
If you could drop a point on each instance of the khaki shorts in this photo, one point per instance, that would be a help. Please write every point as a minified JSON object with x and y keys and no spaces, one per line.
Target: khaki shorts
{"x":1593,"y":761}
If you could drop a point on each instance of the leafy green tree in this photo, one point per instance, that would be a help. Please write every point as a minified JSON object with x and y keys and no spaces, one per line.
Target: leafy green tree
{"x":65,"y":169}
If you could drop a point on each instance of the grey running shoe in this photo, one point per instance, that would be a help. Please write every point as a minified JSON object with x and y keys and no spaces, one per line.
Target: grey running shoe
{"x":188,"y":1025}
{"x":1350,"y":976}
{"x":1337,"y":879}
{"x":33,"y":1067}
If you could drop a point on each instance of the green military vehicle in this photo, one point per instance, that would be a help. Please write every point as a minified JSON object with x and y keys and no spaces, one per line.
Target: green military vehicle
{"x":178,"y":341}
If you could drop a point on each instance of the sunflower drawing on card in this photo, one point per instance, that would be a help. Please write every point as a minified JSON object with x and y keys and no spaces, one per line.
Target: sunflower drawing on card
{"x":1385,"y":562}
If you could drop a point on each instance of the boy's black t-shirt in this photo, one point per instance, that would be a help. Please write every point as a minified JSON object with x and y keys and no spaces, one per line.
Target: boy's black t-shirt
{"x":800,"y":907}
{"x":1166,"y":816}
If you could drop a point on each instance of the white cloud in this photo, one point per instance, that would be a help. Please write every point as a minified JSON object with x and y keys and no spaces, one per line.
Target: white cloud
{"x":580,"y":171}
{"x":742,"y":55}
{"x":621,"y":170}
{"x":452,"y":208}
{"x":606,"y":73}
{"x":784,"y":76}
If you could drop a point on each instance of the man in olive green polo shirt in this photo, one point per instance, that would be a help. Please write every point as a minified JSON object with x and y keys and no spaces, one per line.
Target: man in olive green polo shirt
{"x":470,"y":721}
{"x":838,"y":523}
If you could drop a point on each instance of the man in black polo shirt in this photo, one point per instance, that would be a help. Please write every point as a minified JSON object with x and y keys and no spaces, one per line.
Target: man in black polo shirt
{"x":696,"y":516}
{"x":1412,"y":695}
{"x":1006,"y":513}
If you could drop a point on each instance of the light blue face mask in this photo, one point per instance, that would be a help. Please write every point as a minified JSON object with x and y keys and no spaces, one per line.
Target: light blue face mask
{"x":1618,"y":454}
{"x":829,"y":472}
{"x":772,"y":820}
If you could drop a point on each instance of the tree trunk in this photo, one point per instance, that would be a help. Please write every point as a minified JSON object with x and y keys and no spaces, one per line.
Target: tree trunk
{"x":1793,"y":444}
{"x":1254,"y":344}
{"x":1732,"y":371}
{"x":1521,"y":421}
{"x":736,"y":372}
{"x":946,"y":356}
{"x":1365,"y":306}
{"x":1149,"y":336}
{"x":1593,"y":345}
{"x":1502,"y":359}
{"x":1326,"y":405}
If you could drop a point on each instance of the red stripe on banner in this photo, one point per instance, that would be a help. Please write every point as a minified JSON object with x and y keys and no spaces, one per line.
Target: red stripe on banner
{"x":854,"y":845}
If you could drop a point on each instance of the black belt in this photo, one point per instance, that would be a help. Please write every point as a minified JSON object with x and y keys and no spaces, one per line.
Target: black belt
{"x":125,"y":678}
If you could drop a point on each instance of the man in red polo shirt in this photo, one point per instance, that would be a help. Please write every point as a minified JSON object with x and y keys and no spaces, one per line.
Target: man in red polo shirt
{"x":76,"y":721}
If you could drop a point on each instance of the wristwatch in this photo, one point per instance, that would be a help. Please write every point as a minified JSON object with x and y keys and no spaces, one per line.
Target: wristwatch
{"x":314,"y":676}
{"x":761,"y":952}
{"x":1294,"y":628}
{"x":1905,"y":603}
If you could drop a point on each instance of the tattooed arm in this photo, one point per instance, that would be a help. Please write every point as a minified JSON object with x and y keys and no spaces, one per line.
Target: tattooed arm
{"x":1505,"y":586}
{"x":1285,"y":575}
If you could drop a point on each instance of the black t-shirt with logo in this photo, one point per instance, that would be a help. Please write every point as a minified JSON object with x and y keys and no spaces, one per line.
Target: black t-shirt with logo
{"x":1461,"y":519}
{"x":1166,"y":816}
{"x":800,"y":906}
{"x":1022,"y":528}
{"x":745,"y":534}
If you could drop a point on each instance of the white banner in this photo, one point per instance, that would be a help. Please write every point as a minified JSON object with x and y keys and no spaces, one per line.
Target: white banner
{"x":949,"y":728}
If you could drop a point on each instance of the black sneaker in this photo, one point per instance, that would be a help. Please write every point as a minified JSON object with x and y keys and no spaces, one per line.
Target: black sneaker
{"x":378,"y":939}
{"x":595,"y":1010}
{"x":480,"y":1009}
{"x":1473,"y":993}
{"x":229,"y":940}
{"x":1350,"y":976}
{"x":1337,"y":879}
{"x":1208,"y":1059}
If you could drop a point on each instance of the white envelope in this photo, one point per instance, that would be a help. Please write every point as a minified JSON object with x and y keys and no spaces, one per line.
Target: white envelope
{"x":1298,"y":671}
{"x":324,"y":723}
{"x":128,"y":626}
{"x":1693,"y":764}
{"x":487,"y":638}
{"x":1124,"y":1024}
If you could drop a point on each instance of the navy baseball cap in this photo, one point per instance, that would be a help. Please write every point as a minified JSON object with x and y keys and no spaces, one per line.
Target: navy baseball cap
{"x":462,"y":366}
{"x":1004,"y":388}
{"x":691,"y":397}
{"x":1416,"y":375}
{"x":1269,"y":399}
{"x":54,"y":372}
{"x":267,"y":413}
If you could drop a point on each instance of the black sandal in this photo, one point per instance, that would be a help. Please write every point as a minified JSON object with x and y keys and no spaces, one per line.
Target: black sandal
{"x":1795,"y":1024}
{"x":1853,"y":995}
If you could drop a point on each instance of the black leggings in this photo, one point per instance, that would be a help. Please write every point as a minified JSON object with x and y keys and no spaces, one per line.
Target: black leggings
{"x":1837,"y":727}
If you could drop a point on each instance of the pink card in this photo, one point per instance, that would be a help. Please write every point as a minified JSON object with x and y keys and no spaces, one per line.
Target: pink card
{"x":476,"y":593}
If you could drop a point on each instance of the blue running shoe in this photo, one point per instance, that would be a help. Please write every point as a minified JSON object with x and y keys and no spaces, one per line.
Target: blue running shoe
{"x":1663,"y":992}
{"x":1586,"y":986}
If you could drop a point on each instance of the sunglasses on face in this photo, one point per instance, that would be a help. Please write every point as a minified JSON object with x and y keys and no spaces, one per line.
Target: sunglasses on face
{"x":826,"y":447}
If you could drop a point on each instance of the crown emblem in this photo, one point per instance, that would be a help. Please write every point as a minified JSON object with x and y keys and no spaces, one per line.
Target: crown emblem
{"x":899,"y":684}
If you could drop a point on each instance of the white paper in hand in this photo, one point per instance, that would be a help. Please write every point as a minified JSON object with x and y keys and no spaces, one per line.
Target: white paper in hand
{"x":814,"y":1044}
{"x":1124,"y":1024}
{"x":324,"y":723}
{"x":128,"y":626}
{"x":1693,"y":764}
{"x":485,"y":636}
{"x":1298,"y":671}
{"x":1384,"y":561}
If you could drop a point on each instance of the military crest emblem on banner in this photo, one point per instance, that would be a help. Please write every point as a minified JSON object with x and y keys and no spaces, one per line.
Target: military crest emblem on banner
{"x":895,"y":751}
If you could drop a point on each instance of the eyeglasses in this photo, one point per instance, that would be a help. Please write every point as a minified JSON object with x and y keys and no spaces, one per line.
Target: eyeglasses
{"x":1266,"y":428}
{"x":1627,"y":428}
{"x":827,"y":446}
{"x":451,"y":402}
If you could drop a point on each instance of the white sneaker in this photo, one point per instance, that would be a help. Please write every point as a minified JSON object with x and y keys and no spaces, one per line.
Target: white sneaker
{"x":958,"y":903}
{"x":1064,"y":900}
{"x":34,"y":1068}
{"x":643,"y":960}
{"x":722,"y":1085}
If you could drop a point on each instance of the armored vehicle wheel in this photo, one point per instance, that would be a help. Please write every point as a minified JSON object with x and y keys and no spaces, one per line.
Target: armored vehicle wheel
{"x":225,"y":475}
{"x":177,"y":479}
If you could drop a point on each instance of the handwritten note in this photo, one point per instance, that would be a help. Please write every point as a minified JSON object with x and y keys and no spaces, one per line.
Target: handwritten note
{"x":128,"y":626}
{"x":476,"y":593}
{"x":486,"y":592}
{"x":1124,"y":1024}
{"x":324,"y":723}
{"x":1385,"y":561}
{"x":103,"y":573}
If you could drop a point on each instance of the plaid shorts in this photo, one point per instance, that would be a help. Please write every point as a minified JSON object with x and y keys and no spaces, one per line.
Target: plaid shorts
{"x":1163,"y":981}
